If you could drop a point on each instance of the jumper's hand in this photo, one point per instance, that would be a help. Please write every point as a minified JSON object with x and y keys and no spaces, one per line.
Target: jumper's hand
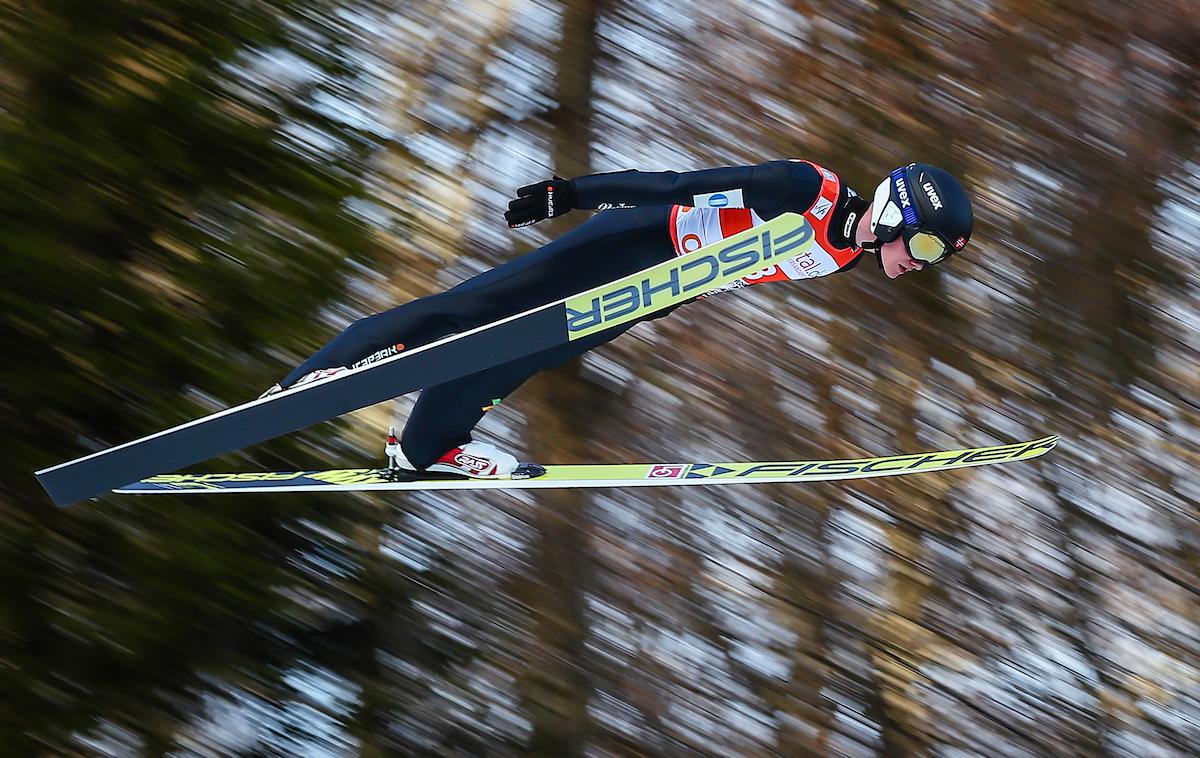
{"x":537,"y":202}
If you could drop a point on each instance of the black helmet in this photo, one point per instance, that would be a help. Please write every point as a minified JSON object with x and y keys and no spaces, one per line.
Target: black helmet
{"x":927,"y":207}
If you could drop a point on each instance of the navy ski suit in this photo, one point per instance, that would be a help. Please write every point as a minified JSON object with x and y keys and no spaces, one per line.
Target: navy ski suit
{"x":634,"y":234}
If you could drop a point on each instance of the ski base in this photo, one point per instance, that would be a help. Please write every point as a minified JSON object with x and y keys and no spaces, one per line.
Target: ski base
{"x":595,"y":475}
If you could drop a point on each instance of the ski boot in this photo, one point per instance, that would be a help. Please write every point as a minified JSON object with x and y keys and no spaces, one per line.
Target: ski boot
{"x":474,"y":460}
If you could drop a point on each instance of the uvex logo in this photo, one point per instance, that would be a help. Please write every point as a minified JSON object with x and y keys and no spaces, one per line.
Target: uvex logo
{"x":681,"y":279}
{"x":933,"y":196}
{"x":902,"y":191}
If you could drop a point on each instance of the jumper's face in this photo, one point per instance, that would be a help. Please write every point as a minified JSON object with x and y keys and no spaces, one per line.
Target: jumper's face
{"x":896,"y":259}
{"x":894,"y":255}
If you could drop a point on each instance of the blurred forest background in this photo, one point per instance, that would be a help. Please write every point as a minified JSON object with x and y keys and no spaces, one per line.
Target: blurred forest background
{"x":195,"y":195}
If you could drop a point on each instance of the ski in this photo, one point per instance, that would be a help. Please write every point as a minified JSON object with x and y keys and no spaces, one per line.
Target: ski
{"x":648,"y":291}
{"x":596,"y":475}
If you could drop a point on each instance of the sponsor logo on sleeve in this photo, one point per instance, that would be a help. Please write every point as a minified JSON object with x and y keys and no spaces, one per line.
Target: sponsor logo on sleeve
{"x":725,"y":199}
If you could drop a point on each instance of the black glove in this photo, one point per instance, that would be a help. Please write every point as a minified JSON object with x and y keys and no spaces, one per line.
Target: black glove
{"x":538,"y":202}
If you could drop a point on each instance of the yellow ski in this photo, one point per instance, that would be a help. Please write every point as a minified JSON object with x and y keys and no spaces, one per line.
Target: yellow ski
{"x":598,"y":475}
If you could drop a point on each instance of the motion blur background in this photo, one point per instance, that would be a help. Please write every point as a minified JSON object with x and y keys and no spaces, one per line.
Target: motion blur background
{"x":195,"y":195}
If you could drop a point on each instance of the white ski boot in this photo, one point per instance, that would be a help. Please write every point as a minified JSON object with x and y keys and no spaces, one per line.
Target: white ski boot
{"x":475,"y":460}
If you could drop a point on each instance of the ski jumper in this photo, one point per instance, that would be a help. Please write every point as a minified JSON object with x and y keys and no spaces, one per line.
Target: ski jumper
{"x":645,"y":219}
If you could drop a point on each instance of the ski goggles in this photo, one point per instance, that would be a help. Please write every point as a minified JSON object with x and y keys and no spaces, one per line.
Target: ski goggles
{"x":895,"y":214}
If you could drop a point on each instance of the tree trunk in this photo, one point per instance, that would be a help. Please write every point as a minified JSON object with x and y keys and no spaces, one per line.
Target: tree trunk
{"x":560,"y":408}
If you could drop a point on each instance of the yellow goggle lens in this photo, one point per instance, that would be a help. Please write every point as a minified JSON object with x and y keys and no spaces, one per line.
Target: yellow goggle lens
{"x":926,"y":247}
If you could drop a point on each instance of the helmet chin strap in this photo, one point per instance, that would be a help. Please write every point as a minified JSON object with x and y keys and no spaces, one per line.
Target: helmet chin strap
{"x":860,"y":206}
{"x":880,"y":202}
{"x":876,"y":247}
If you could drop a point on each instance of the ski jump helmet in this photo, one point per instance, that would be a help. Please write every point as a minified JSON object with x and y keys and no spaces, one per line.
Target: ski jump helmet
{"x":925,"y":206}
